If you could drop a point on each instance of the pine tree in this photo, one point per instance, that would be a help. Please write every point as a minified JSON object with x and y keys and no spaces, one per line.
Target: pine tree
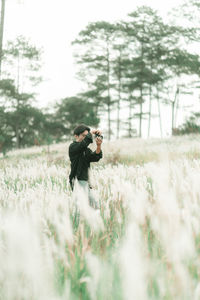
{"x":94,"y":56}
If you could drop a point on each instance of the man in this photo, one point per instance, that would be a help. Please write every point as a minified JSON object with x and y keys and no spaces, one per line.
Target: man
{"x":81,"y":156}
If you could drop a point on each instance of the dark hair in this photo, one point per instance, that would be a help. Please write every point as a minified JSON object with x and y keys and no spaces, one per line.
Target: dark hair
{"x":80,"y":129}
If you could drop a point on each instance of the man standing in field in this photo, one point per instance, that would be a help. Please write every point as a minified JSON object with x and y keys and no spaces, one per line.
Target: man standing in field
{"x":81,"y":156}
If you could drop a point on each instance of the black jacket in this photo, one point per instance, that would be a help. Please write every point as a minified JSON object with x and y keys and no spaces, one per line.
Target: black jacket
{"x":81,"y":156}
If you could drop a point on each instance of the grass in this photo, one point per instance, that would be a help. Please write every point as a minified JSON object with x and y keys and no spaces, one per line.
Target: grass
{"x":144,"y":244}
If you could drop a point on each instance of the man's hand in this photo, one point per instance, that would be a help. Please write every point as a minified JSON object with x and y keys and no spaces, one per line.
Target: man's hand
{"x":95,"y":131}
{"x":98,"y":141}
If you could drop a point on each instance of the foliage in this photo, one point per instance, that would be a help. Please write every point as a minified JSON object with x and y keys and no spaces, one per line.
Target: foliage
{"x":133,"y":61}
{"x":191,"y":126}
{"x":75,"y":110}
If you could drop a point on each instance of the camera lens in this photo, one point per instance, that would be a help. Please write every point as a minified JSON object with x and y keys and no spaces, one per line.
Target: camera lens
{"x":98,"y":135}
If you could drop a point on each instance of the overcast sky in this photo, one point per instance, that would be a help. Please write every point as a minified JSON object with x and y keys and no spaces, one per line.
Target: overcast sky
{"x":53,"y":24}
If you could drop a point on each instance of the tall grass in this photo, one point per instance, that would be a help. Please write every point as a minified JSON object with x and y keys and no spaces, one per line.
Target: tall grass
{"x":143,"y":244}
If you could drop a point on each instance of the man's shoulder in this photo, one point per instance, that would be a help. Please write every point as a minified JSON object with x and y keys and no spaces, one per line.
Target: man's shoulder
{"x":72,"y":144}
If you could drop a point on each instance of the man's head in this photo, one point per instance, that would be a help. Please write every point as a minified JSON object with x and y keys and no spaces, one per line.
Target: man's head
{"x":80,"y":132}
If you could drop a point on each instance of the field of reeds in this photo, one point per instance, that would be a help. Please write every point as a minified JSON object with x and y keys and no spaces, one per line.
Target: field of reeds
{"x":143,"y":244}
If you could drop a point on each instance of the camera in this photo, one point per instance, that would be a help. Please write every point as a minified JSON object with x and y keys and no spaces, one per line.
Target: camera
{"x":98,"y":135}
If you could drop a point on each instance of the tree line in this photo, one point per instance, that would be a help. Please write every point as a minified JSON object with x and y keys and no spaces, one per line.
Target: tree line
{"x":22,"y":124}
{"x":129,"y":64}
{"x":134,"y":63}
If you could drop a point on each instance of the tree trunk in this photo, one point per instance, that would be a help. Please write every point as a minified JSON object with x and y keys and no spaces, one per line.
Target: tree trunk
{"x":1,"y":31}
{"x":130,"y":118}
{"x":17,"y":136}
{"x":150,"y":100}
{"x":176,"y":108}
{"x":159,"y":114}
{"x":173,"y":108}
{"x":108,"y":89}
{"x":18,"y":73}
{"x":119,"y":94}
{"x":141,"y":112}
{"x":141,"y":93}
{"x":173,"y":105}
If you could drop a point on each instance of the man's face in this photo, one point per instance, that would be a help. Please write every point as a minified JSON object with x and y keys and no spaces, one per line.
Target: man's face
{"x":81,"y":137}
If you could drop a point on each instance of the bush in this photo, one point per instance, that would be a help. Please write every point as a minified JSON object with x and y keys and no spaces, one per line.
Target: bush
{"x":189,"y":127}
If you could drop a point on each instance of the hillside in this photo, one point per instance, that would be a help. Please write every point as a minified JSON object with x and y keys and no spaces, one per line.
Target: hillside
{"x":143,"y":243}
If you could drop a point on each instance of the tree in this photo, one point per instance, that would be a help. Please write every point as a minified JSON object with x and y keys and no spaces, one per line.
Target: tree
{"x":22,"y":63}
{"x":144,"y":29}
{"x":94,"y":55}
{"x":27,"y":124}
{"x":72,"y":111}
{"x":6,"y":141}
{"x":137,"y":62}
{"x":189,"y":10}
{"x":190,"y":126}
{"x":119,"y":64}
{"x":22,"y":66}
{"x":180,"y":64}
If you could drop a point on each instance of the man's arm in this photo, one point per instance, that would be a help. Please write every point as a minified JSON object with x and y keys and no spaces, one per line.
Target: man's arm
{"x":98,"y":150}
{"x":96,"y":155}
{"x":80,"y":147}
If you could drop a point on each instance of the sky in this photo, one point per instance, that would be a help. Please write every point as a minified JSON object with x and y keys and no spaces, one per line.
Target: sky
{"x":53,"y":25}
